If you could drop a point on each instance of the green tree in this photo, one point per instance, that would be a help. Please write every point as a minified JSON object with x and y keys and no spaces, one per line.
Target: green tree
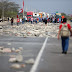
{"x":63,"y":14}
{"x":8,"y":9}
{"x":68,"y":17}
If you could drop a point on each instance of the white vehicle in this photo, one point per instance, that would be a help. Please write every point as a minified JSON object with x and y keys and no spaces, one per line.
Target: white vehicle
{"x":44,"y":15}
{"x":35,"y":14}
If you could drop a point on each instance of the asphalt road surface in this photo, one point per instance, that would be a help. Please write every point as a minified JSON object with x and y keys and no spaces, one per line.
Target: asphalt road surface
{"x":45,"y":51}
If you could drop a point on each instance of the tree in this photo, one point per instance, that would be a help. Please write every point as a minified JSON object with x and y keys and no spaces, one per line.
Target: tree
{"x":68,"y":17}
{"x":63,"y":14}
{"x":8,"y":9}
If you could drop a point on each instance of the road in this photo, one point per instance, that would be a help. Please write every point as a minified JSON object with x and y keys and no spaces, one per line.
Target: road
{"x":31,"y":48}
{"x":52,"y":60}
{"x":45,"y":51}
{"x":4,"y":23}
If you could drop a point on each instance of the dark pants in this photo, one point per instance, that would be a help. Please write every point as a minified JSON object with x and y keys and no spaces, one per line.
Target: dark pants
{"x":31,"y":22}
{"x":17,"y":23}
{"x":12,"y":23}
{"x":65,"y":43}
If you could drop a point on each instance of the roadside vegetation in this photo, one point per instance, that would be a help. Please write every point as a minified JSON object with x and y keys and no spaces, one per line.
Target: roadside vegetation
{"x":67,"y":16}
{"x":8,"y":9}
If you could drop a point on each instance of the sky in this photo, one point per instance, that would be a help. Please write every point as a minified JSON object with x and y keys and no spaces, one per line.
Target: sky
{"x":48,"y":6}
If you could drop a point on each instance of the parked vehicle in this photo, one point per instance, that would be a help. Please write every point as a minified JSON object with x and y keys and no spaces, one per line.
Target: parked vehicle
{"x":58,"y":15}
{"x":29,"y":15}
{"x":40,"y":14}
{"x":44,"y":15}
{"x":36,"y":16}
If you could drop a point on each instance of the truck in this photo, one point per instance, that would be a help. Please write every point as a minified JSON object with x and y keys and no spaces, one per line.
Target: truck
{"x":36,"y":16}
{"x":58,"y":15}
{"x":44,"y":15}
{"x":40,"y":15}
{"x":29,"y":15}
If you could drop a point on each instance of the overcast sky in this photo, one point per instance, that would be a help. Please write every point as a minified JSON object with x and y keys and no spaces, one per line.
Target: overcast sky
{"x":49,"y":6}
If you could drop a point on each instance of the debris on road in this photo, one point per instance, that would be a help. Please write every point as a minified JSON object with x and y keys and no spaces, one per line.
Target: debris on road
{"x":17,"y":58}
{"x":31,"y":30}
{"x":1,"y":27}
{"x":5,"y":50}
{"x":8,"y":43}
{"x":18,"y":66}
{"x":20,"y":48}
{"x":1,"y":48}
{"x":13,"y":49}
{"x":30,"y":61}
{"x":12,"y":60}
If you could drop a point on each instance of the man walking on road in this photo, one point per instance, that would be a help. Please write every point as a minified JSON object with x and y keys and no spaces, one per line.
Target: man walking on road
{"x":64,"y":31}
{"x":12,"y":21}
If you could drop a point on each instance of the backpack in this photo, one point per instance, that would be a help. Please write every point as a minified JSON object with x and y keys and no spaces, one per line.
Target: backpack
{"x":65,"y":31}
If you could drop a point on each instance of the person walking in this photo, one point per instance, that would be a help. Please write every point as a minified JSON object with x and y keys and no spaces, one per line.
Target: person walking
{"x":58,"y":20}
{"x":18,"y":20}
{"x":8,"y":19}
{"x":31,"y":20}
{"x":45,"y":20}
{"x":21,"y":20}
{"x":12,"y":21}
{"x":64,"y":32}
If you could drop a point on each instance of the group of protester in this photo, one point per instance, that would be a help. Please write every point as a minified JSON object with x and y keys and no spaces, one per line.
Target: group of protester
{"x":54,"y":20}
{"x":38,"y":19}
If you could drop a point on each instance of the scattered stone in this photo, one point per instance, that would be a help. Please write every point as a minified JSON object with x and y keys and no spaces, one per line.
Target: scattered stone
{"x":12,"y":60}
{"x":17,"y":66}
{"x":31,"y":30}
{"x":25,"y":36}
{"x":1,"y":48}
{"x":1,"y":51}
{"x":1,"y":27}
{"x":9,"y":43}
{"x":7,"y":50}
{"x":18,"y":50}
{"x":18,"y":58}
{"x":30,"y":61}
{"x":13,"y":49}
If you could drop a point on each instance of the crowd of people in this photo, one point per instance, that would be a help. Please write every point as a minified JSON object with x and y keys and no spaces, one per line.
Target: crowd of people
{"x":33,"y":20}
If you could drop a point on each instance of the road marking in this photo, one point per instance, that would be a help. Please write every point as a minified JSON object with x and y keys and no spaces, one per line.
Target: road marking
{"x":33,"y":69}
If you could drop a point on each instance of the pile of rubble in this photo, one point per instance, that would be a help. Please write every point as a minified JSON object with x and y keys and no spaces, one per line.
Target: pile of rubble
{"x":16,"y":60}
{"x":30,"y":30}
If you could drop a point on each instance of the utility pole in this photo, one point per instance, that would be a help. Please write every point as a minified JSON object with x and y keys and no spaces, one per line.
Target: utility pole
{"x":23,"y":12}
{"x":23,"y":8}
{"x":3,"y":10}
{"x":3,"y":13}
